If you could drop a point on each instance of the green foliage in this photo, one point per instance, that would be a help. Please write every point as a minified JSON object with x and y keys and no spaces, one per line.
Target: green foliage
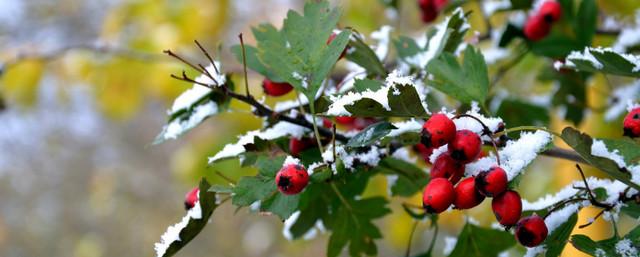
{"x":371,"y":134}
{"x":410,"y":178}
{"x":403,"y":101}
{"x":360,"y":53}
{"x":361,"y":85}
{"x":467,"y":82}
{"x":207,"y":205}
{"x":606,"y":246}
{"x":612,"y":62}
{"x":481,"y":242}
{"x":558,"y":239}
{"x":518,"y":113}
{"x":586,"y":21}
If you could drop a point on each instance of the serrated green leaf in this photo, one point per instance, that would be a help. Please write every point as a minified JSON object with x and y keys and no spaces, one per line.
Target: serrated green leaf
{"x":281,"y":205}
{"x":410,"y":178}
{"x":556,"y":242}
{"x":259,"y":187}
{"x":481,"y":242}
{"x":371,"y":134}
{"x":207,"y":201}
{"x":610,"y":61}
{"x":518,"y":113}
{"x":253,"y":62}
{"x":404,"y":101}
{"x":361,"y":85}
{"x":361,"y":54}
{"x":586,"y":22}
{"x":467,"y":82}
{"x":627,"y":148}
{"x":555,"y":46}
{"x":406,"y":47}
{"x":581,"y":143}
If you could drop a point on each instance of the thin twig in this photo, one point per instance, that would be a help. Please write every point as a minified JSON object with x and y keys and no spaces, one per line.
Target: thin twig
{"x":413,"y":230}
{"x":206,"y":53}
{"x":244,"y":65}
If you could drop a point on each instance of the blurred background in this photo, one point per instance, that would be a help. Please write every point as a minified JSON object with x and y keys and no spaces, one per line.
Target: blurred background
{"x":84,"y":89}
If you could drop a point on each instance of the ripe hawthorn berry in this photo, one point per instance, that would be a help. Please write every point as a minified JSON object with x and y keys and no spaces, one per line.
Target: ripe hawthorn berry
{"x":438,"y":195}
{"x":507,"y":207}
{"x":291,"y":179}
{"x":191,"y":198}
{"x":465,"y":147}
{"x":438,"y":131}
{"x":536,"y":28}
{"x":531,"y":231}
{"x":448,"y":168}
{"x":467,"y":196}
{"x":297,"y":145}
{"x":551,"y":11}
{"x":345,"y":120}
{"x":429,"y":9}
{"x":631,"y":123}
{"x":276,"y":88}
{"x":424,"y":151}
{"x":491,"y":182}
{"x":331,"y":38}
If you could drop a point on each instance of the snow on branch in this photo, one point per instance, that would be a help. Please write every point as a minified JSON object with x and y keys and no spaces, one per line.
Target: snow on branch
{"x":173,"y":232}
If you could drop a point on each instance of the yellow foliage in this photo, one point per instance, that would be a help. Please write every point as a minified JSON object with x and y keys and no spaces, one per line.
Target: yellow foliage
{"x":20,"y":83}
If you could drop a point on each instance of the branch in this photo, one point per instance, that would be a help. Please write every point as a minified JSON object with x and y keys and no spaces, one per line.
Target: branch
{"x":566,"y":154}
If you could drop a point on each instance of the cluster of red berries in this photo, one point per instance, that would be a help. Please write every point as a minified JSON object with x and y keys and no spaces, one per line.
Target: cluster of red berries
{"x":429,"y":9}
{"x":272,"y":88}
{"x":539,"y":25}
{"x":631,"y":123}
{"x":464,"y":146}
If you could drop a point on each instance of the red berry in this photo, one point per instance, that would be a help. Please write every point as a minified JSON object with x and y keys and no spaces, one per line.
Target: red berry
{"x":536,"y":28}
{"x":276,"y":88}
{"x":438,"y":131}
{"x":345,"y":120}
{"x":492,"y":182}
{"x":298,"y":145}
{"x":430,"y":9}
{"x":291,"y":179}
{"x":531,"y":231}
{"x":507,"y":207}
{"x":361,"y":123}
{"x":331,"y":38}
{"x":424,"y":151}
{"x":438,"y":195}
{"x":467,"y":196}
{"x":551,"y":11}
{"x":466,"y":146}
{"x":327,"y":123}
{"x":448,"y":168}
{"x":428,"y":14}
{"x":191,"y":198}
{"x":632,"y":123}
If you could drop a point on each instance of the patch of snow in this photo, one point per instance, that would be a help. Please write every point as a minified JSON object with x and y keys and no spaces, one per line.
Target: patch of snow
{"x":491,"y":7}
{"x":179,"y":126}
{"x":600,"y":253}
{"x":383,"y":37}
{"x":628,"y":38}
{"x":403,"y":154}
{"x":173,"y":232}
{"x":534,"y":251}
{"x":495,"y":54}
{"x":405,"y":126}
{"x":598,"y":148}
{"x":471,"y":124}
{"x":625,"y":248}
{"x":290,"y":160}
{"x":449,"y":244}
{"x":437,"y":152}
{"x":304,"y":83}
{"x":288,"y":223}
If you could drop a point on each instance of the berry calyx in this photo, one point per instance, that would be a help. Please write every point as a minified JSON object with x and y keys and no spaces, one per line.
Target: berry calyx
{"x":448,"y":168}
{"x":507,"y":207}
{"x":551,"y":11}
{"x":331,"y":38}
{"x":276,"y":88}
{"x":424,"y":151}
{"x":438,"y":195}
{"x":467,"y":196}
{"x":292,"y":179}
{"x":492,"y":182}
{"x":298,"y":145}
{"x":531,"y":231}
{"x":536,"y":28}
{"x":191,"y":198}
{"x":466,"y":146}
{"x":438,"y":131}
{"x":631,"y":123}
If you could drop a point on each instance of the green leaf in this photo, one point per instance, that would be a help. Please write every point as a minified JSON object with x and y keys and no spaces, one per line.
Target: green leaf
{"x":361,"y":54}
{"x":371,"y":134}
{"x":606,"y":247}
{"x":299,"y":53}
{"x":586,"y":21}
{"x":467,"y":83}
{"x":410,"y":178}
{"x":253,"y":62}
{"x":558,"y":239}
{"x":518,"y":113}
{"x":260,"y":187}
{"x":521,"y":4}
{"x":581,"y":143}
{"x":608,"y":61}
{"x":631,"y":209}
{"x":194,"y":226}
{"x":555,"y":46}
{"x":627,"y":148}
{"x":281,"y":205}
{"x":361,"y":85}
{"x":405,"y":102}
{"x":406,"y":47}
{"x":353,"y":226}
{"x":481,"y":242}
{"x":510,"y":32}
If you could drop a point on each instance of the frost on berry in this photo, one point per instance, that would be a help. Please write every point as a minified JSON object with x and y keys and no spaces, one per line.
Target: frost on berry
{"x":292,"y":179}
{"x":507,"y":207}
{"x":438,"y":195}
{"x":531,"y":231}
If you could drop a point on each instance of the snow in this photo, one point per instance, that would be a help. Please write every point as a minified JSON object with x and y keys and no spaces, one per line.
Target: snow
{"x":623,"y":96}
{"x":471,"y":124}
{"x":173,"y":232}
{"x":559,"y":217}
{"x":304,"y":83}
{"x":515,"y":156}
{"x":490,"y":7}
{"x":280,"y":129}
{"x":534,"y":251}
{"x":396,"y":78}
{"x":288,"y":223}
{"x":449,"y":244}
{"x":494,"y":54}
{"x":197,"y":92}
{"x":404,"y":127}
{"x":312,"y":168}
{"x":625,"y":248}
{"x":628,"y":38}
{"x":598,"y":148}
{"x":371,"y":157}
{"x":437,"y":152}
{"x":403,"y":154}
{"x":600,"y":253}
{"x":436,"y":43}
{"x":290,"y":160}
{"x":178,"y":126}
{"x":586,"y":55}
{"x":383,"y":37}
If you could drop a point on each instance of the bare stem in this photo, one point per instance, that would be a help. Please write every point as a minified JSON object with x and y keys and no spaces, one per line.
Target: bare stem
{"x":244,"y":64}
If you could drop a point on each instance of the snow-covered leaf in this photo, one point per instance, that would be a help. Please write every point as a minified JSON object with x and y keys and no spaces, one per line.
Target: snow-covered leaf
{"x":467,"y":82}
{"x":477,"y":241}
{"x":362,"y":85}
{"x":180,"y":234}
{"x":557,"y":240}
{"x":603,"y":60}
{"x":614,"y":246}
{"x":582,"y":144}
{"x":371,"y":134}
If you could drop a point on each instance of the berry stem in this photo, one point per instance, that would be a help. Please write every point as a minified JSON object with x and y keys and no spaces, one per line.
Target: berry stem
{"x":530,"y":128}
{"x":231,"y":181}
{"x":315,"y":125}
{"x":407,"y":253}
